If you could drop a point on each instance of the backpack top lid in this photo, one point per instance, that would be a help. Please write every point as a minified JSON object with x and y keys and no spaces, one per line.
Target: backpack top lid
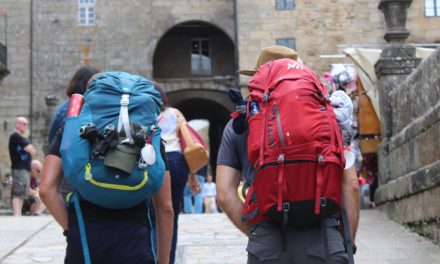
{"x":270,"y":74}
{"x":103,"y":96}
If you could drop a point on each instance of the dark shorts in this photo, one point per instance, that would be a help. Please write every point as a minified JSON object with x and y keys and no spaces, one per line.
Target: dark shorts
{"x":303,"y":246}
{"x":111,"y":243}
{"x":21,"y":180}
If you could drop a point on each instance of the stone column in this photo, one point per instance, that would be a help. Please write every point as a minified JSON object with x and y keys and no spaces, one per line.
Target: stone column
{"x":397,"y":60}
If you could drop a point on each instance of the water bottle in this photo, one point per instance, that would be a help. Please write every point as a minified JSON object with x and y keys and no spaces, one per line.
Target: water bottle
{"x":254,"y":109}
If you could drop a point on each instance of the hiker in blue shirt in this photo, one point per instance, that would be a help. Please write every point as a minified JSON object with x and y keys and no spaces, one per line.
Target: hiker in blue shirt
{"x":112,"y":235}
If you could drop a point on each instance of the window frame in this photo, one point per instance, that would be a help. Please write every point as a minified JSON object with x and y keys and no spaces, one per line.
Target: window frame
{"x":201,"y":71}
{"x":283,"y":42}
{"x":285,"y":5}
{"x":86,"y":12}
{"x":435,"y":8}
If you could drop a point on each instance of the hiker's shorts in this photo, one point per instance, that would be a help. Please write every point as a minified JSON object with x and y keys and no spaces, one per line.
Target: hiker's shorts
{"x":21,"y":180}
{"x":111,"y":243}
{"x":303,"y":245}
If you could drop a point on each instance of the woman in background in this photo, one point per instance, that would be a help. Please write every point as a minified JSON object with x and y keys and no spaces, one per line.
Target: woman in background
{"x":168,"y":121}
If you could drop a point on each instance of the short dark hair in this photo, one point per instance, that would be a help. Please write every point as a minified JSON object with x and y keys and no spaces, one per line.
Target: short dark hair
{"x":160,"y":89}
{"x":78,"y":83}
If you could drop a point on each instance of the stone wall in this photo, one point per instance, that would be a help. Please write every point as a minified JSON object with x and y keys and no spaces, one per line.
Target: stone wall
{"x":412,"y":193}
{"x":318,"y":27}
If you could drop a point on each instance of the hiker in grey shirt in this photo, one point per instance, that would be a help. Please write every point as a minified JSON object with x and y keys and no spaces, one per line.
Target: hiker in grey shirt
{"x":304,"y":245}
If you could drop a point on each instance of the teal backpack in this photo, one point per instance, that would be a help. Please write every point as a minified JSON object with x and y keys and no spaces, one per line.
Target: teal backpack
{"x":111,"y":150}
{"x":102,"y":147}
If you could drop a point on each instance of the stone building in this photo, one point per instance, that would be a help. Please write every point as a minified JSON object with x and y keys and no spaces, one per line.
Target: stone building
{"x":193,"y":47}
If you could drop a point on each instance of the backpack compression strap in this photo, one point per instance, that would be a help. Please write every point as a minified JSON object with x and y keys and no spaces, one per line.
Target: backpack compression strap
{"x":124,"y":120}
{"x":82,"y":228}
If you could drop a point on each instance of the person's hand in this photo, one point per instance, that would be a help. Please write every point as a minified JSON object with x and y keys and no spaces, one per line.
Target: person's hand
{"x":195,"y":184}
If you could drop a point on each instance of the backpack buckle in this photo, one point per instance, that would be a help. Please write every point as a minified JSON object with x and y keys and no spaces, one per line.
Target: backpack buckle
{"x":323,"y":202}
{"x":320,"y":159}
{"x":125,"y":100}
{"x":286,"y":207}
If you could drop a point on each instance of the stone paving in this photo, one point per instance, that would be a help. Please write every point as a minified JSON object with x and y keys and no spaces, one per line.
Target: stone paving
{"x":211,"y":239}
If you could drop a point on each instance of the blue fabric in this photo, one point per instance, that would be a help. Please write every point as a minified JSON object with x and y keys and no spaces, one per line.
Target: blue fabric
{"x":111,"y":243}
{"x":82,"y":229}
{"x":58,"y":119}
{"x":101,"y":107}
{"x":179,"y":176}
{"x":198,"y":199}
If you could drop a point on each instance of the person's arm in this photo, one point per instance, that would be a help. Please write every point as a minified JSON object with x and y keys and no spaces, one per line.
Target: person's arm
{"x":51,"y":179}
{"x":30,"y":149}
{"x":164,"y":219}
{"x":228,"y":180}
{"x":350,"y":195}
{"x":33,"y":193}
{"x":194,"y":183}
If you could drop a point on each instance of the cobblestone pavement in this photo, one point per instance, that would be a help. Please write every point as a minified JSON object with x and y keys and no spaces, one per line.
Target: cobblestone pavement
{"x":211,"y":239}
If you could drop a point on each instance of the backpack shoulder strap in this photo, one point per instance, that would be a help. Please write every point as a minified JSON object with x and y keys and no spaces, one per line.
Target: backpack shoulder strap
{"x":82,"y":229}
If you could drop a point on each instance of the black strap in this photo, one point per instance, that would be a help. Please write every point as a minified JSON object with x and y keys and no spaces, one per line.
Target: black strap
{"x":284,"y":225}
{"x":324,"y":237}
{"x":347,"y":234}
{"x":250,"y":216}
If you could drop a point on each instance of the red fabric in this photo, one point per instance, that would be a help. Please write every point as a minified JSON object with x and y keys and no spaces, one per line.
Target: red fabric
{"x":362,"y":181}
{"x":235,"y":114}
{"x":298,"y":122}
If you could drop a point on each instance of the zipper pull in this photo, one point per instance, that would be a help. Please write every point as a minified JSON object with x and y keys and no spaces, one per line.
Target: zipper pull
{"x":265,"y":96}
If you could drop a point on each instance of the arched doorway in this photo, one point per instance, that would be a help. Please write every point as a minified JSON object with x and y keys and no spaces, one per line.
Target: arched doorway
{"x":195,"y":62}
{"x":212,"y":106}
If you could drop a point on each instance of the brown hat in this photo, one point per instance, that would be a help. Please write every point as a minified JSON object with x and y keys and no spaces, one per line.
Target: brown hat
{"x":269,"y":54}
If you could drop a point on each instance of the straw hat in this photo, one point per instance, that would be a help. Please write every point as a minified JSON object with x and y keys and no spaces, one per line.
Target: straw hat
{"x":269,"y":54}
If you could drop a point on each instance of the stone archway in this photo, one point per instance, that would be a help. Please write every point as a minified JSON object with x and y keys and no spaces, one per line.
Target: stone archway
{"x":195,"y":62}
{"x":211,"y":105}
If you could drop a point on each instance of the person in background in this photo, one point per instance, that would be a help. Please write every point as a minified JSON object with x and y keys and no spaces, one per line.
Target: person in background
{"x":188,"y":196}
{"x":78,"y":85}
{"x":21,"y":153}
{"x":168,"y":122}
{"x":33,"y":204}
{"x":209,"y":194}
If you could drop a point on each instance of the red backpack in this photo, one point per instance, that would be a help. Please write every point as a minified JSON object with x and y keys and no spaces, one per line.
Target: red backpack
{"x":295,"y":146}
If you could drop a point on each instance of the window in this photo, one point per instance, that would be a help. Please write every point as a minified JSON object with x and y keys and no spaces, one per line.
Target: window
{"x":285,"y":4}
{"x":200,"y":59}
{"x":86,"y":12}
{"x":432,"y":8}
{"x":287,"y":42}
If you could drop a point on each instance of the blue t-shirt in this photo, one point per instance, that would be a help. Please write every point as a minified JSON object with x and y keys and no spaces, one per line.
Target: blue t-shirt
{"x":58,"y":119}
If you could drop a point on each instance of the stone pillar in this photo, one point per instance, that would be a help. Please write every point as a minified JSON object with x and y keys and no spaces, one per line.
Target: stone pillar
{"x":397,"y":60}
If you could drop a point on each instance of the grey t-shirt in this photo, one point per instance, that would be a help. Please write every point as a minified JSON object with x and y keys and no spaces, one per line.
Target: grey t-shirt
{"x":233,"y":152}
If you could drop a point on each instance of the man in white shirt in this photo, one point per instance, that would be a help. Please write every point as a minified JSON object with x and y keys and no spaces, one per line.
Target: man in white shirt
{"x":209,"y":194}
